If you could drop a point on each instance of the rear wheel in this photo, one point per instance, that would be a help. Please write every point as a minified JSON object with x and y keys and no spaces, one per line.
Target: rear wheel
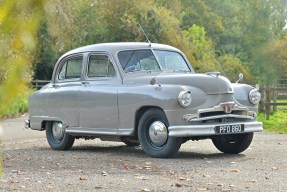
{"x":153,"y":135}
{"x":56,"y":136}
{"x":233,"y":144}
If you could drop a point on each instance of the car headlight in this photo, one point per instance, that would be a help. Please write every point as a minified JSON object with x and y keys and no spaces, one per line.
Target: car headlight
{"x":184,"y":98}
{"x":254,"y":96}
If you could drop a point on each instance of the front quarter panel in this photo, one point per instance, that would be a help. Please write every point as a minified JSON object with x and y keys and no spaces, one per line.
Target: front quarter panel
{"x":132,"y":98}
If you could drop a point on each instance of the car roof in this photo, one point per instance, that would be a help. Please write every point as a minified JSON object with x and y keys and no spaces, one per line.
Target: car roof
{"x":118,"y":46}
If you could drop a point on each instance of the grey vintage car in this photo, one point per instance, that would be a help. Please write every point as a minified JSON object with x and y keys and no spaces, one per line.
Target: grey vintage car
{"x":142,"y":94}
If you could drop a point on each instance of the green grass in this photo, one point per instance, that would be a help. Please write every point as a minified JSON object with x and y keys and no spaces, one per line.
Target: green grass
{"x":17,"y":106}
{"x":277,"y":121}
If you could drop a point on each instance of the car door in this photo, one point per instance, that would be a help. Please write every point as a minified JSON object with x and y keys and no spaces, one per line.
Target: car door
{"x":63,"y":97}
{"x":98,"y":105}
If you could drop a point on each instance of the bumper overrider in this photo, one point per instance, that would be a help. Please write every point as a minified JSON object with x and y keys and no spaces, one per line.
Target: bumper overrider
{"x":220,"y":119}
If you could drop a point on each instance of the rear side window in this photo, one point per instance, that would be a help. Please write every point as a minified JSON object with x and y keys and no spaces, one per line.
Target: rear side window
{"x":137,"y":60}
{"x":100,"y":66}
{"x":71,"y":68}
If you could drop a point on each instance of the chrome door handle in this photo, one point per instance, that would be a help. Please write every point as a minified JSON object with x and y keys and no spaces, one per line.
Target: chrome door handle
{"x":85,"y":83}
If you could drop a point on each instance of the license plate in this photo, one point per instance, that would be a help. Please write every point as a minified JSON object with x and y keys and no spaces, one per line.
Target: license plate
{"x":224,"y":129}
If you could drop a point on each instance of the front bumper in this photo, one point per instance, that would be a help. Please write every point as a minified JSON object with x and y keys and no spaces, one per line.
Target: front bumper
{"x":27,"y":124}
{"x":209,"y":129}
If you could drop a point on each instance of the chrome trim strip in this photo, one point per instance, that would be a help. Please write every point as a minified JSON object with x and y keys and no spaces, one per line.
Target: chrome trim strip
{"x":88,"y":131}
{"x":191,"y":118}
{"x":219,"y":108}
{"x":209,"y":129}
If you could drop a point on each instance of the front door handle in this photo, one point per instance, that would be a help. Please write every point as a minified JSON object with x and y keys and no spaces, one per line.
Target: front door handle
{"x":85,"y":83}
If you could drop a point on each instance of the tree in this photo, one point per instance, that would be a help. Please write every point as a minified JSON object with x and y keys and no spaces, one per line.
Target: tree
{"x":45,"y":57}
{"x":19,"y":24}
{"x":202,"y":49}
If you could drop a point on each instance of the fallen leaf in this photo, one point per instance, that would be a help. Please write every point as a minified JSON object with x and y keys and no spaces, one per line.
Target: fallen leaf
{"x":147,"y":167}
{"x":50,"y":187}
{"x":82,"y":178}
{"x":20,"y":173}
{"x":144,"y":190}
{"x":172,"y":173}
{"x":98,"y":187}
{"x":126,"y":166}
{"x":178,"y":185}
{"x":209,"y":161}
{"x":234,"y":170}
{"x":274,"y":168}
{"x":14,"y":181}
{"x":142,"y":177}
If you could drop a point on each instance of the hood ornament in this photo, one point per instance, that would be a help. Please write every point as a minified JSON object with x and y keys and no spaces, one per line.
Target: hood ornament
{"x":240,"y":77}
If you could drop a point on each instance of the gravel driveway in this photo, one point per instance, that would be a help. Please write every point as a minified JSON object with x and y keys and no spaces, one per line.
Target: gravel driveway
{"x":30,"y":165}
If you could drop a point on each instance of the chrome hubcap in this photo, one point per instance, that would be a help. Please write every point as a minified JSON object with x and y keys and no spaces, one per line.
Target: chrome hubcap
{"x":58,"y":130}
{"x":158,"y":133}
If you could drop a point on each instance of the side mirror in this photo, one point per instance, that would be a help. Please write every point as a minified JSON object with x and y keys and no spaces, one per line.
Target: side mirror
{"x":240,"y":77}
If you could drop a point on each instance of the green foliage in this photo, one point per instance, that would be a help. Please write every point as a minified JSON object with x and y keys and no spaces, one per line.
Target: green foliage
{"x":19,"y":23}
{"x":228,"y":36}
{"x":45,"y":56}
{"x":231,"y":66}
{"x":277,"y":122}
{"x":18,"y":105}
{"x":202,"y":49}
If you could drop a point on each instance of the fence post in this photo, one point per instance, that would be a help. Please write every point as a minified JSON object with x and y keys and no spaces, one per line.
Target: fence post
{"x":262,"y":101}
{"x":36,"y":83}
{"x":268,"y":101}
{"x":275,"y":100}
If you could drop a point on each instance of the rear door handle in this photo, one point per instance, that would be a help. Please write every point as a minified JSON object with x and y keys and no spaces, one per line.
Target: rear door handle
{"x":55,"y":85}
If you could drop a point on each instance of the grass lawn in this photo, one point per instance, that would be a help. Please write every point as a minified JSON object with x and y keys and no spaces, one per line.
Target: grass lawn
{"x":277,"y":120}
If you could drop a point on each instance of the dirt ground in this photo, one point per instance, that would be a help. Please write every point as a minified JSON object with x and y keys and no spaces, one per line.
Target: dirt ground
{"x":31,"y":165}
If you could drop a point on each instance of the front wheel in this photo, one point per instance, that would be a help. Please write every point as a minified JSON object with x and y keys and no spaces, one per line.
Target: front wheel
{"x":56,"y":136}
{"x":233,"y":144}
{"x":153,"y":135}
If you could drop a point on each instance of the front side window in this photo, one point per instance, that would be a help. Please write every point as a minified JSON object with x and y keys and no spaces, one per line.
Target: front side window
{"x":100,"y":66}
{"x":71,"y":68}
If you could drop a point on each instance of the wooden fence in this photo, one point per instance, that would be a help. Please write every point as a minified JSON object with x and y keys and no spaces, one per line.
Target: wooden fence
{"x":38,"y":84}
{"x":268,"y":103}
{"x":269,"y":99}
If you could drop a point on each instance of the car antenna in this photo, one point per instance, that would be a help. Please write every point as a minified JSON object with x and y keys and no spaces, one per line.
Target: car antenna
{"x":145,"y":35}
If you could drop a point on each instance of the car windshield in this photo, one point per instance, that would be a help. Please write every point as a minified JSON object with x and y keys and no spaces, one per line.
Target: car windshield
{"x":147,"y":60}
